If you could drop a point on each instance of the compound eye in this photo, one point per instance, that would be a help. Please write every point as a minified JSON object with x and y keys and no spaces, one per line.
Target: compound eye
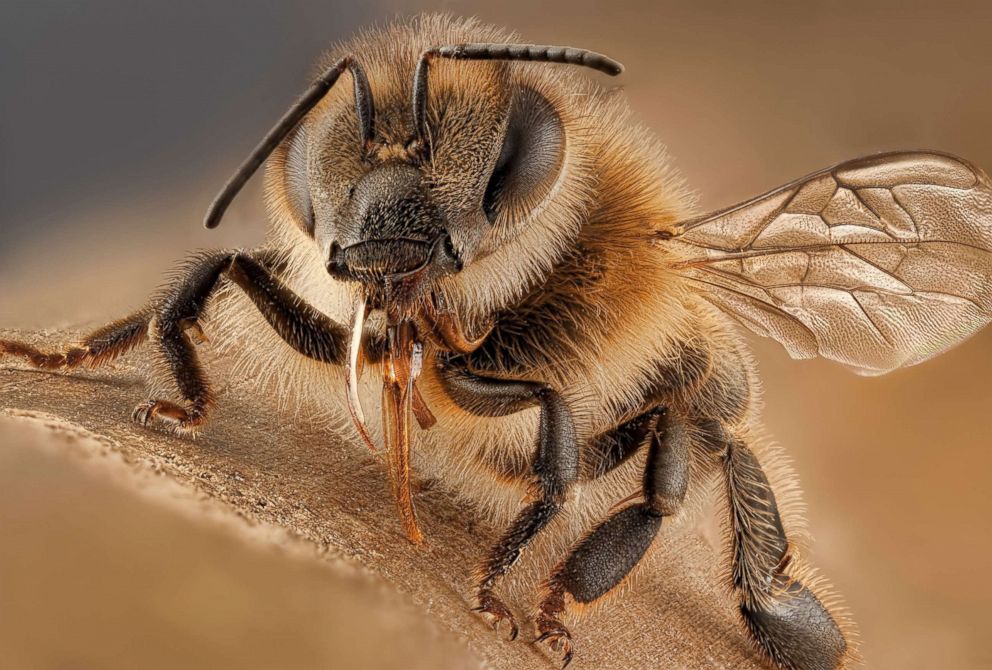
{"x":297,"y":183}
{"x":529,"y":161}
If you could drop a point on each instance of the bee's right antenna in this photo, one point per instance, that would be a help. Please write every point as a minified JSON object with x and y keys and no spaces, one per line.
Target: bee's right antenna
{"x":484,"y":51}
{"x":364,"y":107}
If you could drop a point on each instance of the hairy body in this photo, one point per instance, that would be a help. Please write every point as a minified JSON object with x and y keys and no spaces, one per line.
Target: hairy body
{"x":595,"y":385}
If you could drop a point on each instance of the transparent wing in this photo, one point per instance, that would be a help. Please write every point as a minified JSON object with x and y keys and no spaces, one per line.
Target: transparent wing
{"x":877,"y":263}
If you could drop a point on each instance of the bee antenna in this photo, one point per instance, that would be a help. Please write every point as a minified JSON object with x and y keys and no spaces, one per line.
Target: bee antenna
{"x":364,"y":108}
{"x":504,"y":52}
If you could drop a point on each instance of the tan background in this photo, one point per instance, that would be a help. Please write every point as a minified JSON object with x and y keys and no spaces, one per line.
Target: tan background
{"x":106,"y":171}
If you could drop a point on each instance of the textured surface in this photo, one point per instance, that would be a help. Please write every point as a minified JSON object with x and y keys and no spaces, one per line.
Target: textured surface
{"x":273,"y":473}
{"x":105,"y":566}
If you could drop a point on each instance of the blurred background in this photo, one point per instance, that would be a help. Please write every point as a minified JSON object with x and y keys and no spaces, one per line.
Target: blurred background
{"x":120,"y":119}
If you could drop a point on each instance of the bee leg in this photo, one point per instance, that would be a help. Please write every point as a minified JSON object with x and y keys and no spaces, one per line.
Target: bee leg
{"x":307,"y":330}
{"x":100,"y":346}
{"x":786,"y":619}
{"x":602,"y":559}
{"x":555,"y":467}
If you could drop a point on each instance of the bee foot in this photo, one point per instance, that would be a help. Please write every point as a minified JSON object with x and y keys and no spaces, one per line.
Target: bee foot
{"x":492,"y":606}
{"x":194,"y":331}
{"x":168,"y":414}
{"x":557,"y":637}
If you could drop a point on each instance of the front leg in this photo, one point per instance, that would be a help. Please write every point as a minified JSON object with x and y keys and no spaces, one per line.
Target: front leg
{"x":555,"y":466}
{"x":179,"y":309}
{"x":173,"y":317}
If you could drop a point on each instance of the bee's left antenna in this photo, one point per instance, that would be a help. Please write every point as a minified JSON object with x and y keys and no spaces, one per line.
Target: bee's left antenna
{"x":533,"y":53}
{"x":364,"y":108}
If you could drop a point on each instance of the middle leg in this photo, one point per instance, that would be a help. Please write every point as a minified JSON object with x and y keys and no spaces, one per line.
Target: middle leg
{"x":555,"y":468}
{"x":603,"y":558}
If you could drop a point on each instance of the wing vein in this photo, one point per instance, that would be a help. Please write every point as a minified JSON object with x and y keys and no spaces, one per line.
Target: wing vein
{"x":762,"y":305}
{"x":826,"y":246}
{"x":873,"y":287}
{"x":909,"y":215}
{"x":871,"y":320}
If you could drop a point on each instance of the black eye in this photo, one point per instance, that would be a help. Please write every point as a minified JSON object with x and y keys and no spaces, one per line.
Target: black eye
{"x":497,"y":182}
{"x":296,"y":182}
{"x":529,"y":160}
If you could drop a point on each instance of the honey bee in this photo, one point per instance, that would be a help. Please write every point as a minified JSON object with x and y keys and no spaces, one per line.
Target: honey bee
{"x":483,"y":247}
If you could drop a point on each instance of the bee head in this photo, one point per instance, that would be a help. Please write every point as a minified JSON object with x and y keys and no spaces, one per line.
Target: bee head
{"x":431,"y":166}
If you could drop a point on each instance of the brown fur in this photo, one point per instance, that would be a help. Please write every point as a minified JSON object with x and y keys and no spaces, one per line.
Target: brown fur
{"x":584,"y":297}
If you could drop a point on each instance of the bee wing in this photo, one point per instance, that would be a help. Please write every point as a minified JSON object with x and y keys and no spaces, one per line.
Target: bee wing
{"x":877,"y":263}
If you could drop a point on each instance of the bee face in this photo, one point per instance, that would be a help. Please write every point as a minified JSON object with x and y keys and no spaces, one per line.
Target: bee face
{"x":396,"y":210}
{"x":401,"y":211}
{"x":388,"y":229}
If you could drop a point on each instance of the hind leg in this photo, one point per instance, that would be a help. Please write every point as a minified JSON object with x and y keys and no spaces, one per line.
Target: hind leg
{"x":602,"y":559}
{"x":790,"y":624}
